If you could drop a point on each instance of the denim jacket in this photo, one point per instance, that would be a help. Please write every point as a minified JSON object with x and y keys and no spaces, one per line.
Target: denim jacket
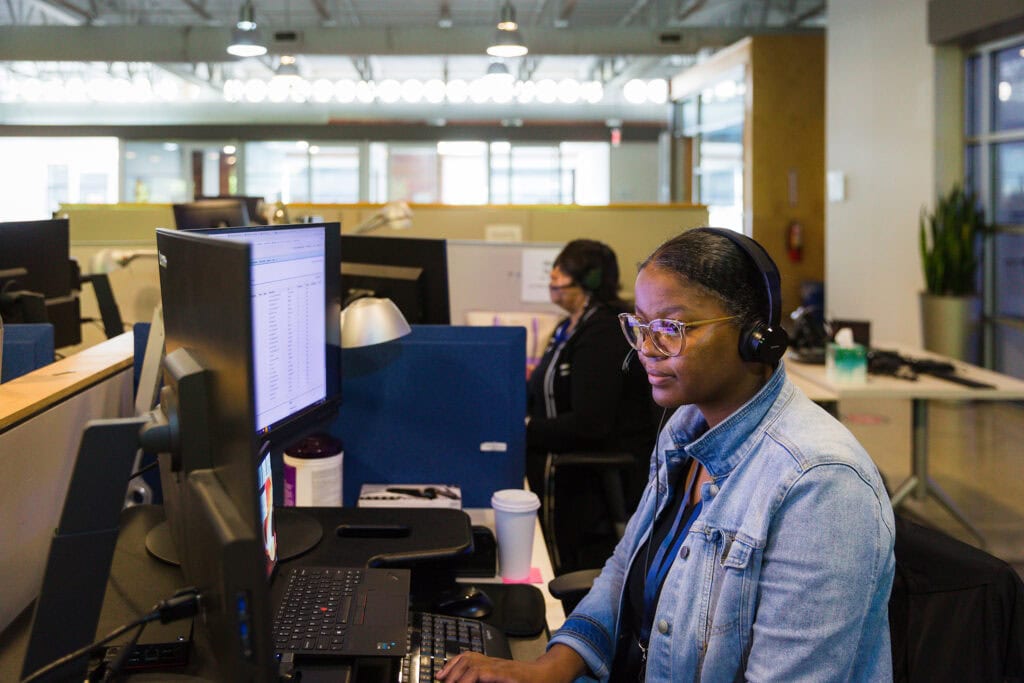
{"x":784,"y":575}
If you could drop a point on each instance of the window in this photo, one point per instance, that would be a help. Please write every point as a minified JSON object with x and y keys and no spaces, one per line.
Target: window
{"x":412,"y":174}
{"x":714,"y":119}
{"x":463,"y":171}
{"x":334,"y":173}
{"x":41,"y":173}
{"x":154,"y":172}
{"x":994,"y":168}
{"x":278,"y":171}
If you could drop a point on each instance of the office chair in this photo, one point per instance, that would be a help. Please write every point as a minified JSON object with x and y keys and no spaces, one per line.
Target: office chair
{"x":956,"y":613}
{"x":612,"y":468}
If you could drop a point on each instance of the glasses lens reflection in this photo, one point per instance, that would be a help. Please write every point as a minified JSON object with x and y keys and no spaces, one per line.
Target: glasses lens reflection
{"x":667,"y":336}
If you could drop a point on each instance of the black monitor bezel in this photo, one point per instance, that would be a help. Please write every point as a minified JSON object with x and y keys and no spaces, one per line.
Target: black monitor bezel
{"x":208,"y":403}
{"x":428,"y":254}
{"x":294,"y":424}
{"x":232,"y":211}
{"x":39,"y":247}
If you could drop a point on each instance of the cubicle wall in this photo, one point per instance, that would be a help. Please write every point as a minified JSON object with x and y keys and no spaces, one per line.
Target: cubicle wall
{"x":632,"y":231}
{"x":444,"y":405}
{"x":41,"y":419}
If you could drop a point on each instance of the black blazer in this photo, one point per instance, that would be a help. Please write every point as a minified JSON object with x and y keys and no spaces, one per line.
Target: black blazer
{"x":579,"y":397}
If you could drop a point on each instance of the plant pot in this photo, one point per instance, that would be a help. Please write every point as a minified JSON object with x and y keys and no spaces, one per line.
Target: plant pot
{"x":951,"y":325}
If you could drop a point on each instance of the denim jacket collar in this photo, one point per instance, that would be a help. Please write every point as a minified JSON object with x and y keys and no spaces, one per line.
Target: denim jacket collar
{"x":722,"y":448}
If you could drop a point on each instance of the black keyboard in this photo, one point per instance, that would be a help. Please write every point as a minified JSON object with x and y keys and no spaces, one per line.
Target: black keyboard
{"x":315,"y":612}
{"x":434,"y":638}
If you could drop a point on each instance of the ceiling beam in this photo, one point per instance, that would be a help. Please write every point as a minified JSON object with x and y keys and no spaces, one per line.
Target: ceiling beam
{"x":207,"y":44}
{"x":809,"y":14}
{"x":67,"y":12}
{"x":198,"y":9}
{"x":321,"y":10}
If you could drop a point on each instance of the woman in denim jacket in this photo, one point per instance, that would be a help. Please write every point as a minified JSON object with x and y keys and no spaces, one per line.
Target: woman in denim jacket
{"x":772,"y":550}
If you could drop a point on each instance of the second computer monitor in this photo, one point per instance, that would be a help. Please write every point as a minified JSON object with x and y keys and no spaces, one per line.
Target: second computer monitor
{"x":211,"y":213}
{"x":37,"y":277}
{"x":412,"y":272}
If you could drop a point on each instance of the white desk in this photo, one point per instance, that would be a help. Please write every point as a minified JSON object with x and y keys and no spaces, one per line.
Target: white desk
{"x":919,"y":392}
{"x":554,"y":613}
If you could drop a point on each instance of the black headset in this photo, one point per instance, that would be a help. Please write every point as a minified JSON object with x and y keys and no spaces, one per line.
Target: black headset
{"x":591,"y":280}
{"x":764,"y":341}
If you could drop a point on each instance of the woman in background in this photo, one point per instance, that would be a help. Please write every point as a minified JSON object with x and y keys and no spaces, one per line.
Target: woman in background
{"x":581,"y":397}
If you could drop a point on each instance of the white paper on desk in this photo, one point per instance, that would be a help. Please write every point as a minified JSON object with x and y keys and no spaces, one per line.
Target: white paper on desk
{"x":378,"y":496}
{"x":537,"y":262}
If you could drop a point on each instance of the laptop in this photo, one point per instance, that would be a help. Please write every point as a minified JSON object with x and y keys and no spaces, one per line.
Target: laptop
{"x":329,"y":611}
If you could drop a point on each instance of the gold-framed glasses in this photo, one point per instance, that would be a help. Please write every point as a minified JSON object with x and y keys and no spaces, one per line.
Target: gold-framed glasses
{"x":667,"y":336}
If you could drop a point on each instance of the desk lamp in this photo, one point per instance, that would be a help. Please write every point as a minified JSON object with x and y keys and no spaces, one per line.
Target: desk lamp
{"x":371,"y":320}
{"x":395,"y":215}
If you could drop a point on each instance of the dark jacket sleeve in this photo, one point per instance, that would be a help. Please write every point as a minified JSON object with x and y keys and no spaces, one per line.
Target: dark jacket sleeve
{"x":595,"y":395}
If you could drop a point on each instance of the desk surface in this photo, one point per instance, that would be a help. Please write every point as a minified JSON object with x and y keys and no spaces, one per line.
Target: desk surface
{"x":925,"y":387}
{"x":34,"y":392}
{"x":553,"y":607}
{"x":128,"y":583}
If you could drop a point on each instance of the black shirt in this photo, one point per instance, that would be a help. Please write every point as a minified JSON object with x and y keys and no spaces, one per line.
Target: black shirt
{"x":628,"y":663}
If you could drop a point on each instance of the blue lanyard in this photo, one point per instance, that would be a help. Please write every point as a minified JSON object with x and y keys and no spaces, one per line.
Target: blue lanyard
{"x":670,"y":546}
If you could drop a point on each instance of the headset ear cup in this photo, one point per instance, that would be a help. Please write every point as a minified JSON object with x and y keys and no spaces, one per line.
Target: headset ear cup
{"x":749,"y":337}
{"x":763,"y":344}
{"x":592,"y":280}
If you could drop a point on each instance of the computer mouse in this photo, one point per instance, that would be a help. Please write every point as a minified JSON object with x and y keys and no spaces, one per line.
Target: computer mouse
{"x":464,"y":601}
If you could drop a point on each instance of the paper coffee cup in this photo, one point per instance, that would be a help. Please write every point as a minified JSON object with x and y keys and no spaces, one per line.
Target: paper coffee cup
{"x":515,"y":516}
{"x":312,"y":472}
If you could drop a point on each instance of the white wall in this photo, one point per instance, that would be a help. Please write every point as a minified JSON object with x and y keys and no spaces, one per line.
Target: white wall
{"x":881,"y":133}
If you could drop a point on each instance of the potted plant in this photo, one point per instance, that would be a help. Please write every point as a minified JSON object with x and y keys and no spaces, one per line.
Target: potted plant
{"x":950,"y":308}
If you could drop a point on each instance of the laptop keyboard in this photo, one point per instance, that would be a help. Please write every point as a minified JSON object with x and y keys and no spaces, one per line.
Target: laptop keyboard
{"x":315,"y":614}
{"x":434,"y":638}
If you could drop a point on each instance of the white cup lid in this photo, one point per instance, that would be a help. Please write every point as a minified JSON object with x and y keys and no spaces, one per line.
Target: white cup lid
{"x":515,"y":500}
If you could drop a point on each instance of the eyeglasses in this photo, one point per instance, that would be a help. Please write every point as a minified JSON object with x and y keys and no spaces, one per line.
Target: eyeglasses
{"x":558,"y":288}
{"x":666,"y":335}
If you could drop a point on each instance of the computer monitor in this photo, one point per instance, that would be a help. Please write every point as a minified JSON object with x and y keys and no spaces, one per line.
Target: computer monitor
{"x":37,"y":277}
{"x":412,"y":272}
{"x":211,"y":213}
{"x":296,"y":304}
{"x":213,"y":474}
{"x":254,"y":205}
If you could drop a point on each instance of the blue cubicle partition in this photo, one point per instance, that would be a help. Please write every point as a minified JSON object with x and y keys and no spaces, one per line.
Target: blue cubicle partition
{"x":443,"y":405}
{"x":26,"y":348}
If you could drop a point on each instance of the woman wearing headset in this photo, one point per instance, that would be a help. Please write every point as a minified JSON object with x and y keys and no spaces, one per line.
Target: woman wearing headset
{"x":762,"y":547}
{"x":580,"y":399}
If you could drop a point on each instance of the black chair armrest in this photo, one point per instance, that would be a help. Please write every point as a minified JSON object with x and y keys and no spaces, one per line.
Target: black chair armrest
{"x":589,"y":459}
{"x":570,"y":588}
{"x":611,"y":466}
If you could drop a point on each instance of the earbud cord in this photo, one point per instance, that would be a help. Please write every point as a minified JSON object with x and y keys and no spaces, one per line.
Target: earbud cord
{"x":654,"y":517}
{"x":657,"y":502}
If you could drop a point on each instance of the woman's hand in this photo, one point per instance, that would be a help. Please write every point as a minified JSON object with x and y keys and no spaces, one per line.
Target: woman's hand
{"x":560,"y":663}
{"x":473,"y":667}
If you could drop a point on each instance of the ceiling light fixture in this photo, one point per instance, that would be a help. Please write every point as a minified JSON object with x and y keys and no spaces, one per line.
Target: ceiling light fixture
{"x":444,"y":19}
{"x":498,"y":70}
{"x":287,"y":68}
{"x":245,"y":36}
{"x":507,"y":44}
{"x":507,"y":40}
{"x":507,"y":22}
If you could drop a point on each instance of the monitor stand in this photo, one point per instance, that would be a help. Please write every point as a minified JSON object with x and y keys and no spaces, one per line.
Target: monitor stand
{"x":297,"y":533}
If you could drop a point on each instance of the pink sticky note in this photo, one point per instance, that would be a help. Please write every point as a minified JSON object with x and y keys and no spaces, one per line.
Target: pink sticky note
{"x":534,"y":577}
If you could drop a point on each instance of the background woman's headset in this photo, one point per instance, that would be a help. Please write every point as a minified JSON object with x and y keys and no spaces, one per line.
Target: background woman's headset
{"x":765,"y":341}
